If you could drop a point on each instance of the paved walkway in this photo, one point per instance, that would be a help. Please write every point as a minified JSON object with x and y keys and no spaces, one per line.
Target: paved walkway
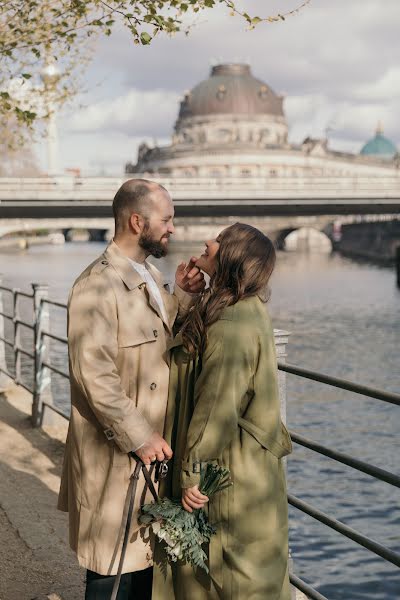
{"x":35,"y":560}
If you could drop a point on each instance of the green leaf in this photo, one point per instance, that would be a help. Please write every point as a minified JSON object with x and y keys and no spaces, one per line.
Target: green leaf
{"x":145,"y":38}
{"x":26,"y":75}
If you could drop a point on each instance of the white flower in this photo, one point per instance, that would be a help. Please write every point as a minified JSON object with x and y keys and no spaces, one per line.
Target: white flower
{"x":176,"y":550}
{"x":156,"y":526}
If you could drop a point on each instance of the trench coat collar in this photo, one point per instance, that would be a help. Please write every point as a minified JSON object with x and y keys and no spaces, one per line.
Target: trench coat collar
{"x":129,"y":276}
{"x":133,"y":279}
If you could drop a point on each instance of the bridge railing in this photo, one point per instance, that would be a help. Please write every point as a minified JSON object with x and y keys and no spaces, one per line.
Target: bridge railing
{"x":42,"y":403}
{"x":80,"y":188}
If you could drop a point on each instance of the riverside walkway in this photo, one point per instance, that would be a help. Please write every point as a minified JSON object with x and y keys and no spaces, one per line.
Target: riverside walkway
{"x":35,"y":560}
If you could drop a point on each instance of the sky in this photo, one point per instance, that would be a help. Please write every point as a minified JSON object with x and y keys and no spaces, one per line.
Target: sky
{"x":336,"y":62}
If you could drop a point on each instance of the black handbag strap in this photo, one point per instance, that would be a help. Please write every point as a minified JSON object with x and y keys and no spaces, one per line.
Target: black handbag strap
{"x":127,"y":515}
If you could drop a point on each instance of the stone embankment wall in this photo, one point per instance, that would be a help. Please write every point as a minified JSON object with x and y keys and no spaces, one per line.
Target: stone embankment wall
{"x":376,"y":241}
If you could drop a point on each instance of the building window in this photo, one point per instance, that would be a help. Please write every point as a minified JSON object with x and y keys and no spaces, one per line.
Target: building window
{"x":263,"y":93}
{"x":221,"y":93}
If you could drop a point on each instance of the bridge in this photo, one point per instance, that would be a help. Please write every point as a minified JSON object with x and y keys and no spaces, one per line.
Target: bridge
{"x":279,"y":206}
{"x":90,"y":197}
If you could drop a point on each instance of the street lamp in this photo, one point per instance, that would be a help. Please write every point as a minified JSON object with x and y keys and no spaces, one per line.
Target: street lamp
{"x":50,"y":76}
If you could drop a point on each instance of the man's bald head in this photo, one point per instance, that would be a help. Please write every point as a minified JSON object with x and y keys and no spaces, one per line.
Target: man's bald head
{"x":134,"y":196}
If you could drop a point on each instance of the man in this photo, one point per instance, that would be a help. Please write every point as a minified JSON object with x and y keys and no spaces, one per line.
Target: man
{"x":120,"y":319}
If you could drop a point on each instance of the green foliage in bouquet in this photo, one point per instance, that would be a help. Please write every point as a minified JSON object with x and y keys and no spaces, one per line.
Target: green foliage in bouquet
{"x":183,"y":533}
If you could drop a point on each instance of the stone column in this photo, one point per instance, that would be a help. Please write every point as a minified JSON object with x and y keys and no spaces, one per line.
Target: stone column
{"x":281,"y":342}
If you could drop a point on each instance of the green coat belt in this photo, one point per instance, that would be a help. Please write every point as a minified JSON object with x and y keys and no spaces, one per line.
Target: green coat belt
{"x":223,"y":407}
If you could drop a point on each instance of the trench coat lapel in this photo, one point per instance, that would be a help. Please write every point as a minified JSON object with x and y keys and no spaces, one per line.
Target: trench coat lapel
{"x":133,"y":279}
{"x":128,"y":274}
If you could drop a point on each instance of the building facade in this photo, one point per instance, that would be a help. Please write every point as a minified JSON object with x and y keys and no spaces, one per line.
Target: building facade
{"x":233,"y":125}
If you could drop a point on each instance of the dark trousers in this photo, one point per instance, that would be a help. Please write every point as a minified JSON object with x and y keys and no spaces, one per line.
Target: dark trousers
{"x":134,"y":586}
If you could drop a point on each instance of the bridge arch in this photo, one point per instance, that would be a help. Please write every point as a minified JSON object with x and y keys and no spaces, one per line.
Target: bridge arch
{"x":98,"y":229}
{"x":303,"y":239}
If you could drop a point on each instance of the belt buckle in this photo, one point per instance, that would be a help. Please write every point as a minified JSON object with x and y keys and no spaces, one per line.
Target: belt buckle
{"x":161,"y":470}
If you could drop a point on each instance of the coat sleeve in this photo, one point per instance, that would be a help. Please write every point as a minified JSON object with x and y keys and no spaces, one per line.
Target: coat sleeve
{"x":93,"y":349}
{"x":185,"y":301}
{"x":228,"y":366}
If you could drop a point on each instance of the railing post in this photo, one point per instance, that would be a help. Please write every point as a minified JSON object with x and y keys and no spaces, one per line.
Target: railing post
{"x":17,"y":338}
{"x":5,"y":381}
{"x":42,"y":375}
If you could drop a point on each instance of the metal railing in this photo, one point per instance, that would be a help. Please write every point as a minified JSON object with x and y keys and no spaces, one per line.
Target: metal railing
{"x":40,"y":356}
{"x":42,"y":401}
{"x":361,"y":466}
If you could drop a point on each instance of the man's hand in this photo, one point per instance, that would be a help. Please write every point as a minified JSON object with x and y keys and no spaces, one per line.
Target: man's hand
{"x":156,"y":448}
{"x":189,"y":277}
{"x":192,"y":498}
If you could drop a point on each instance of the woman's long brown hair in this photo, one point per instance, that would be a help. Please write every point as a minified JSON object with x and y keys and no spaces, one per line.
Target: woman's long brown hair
{"x":244,"y":263}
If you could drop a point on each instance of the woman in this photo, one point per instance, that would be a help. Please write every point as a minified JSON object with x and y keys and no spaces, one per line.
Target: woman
{"x":224,"y":406}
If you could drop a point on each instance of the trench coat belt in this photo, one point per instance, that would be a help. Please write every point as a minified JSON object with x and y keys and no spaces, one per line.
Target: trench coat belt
{"x":266,"y":441}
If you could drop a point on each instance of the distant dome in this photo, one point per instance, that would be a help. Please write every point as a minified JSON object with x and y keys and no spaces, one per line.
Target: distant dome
{"x":231,"y":89}
{"x":379,"y":146}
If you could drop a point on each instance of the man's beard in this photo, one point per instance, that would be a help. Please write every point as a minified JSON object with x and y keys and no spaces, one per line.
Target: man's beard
{"x":154,"y":247}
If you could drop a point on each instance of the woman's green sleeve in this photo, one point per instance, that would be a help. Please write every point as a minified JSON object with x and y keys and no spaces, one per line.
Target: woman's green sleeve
{"x":228,"y":366}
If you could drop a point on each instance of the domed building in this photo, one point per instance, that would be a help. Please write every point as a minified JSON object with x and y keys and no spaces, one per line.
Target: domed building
{"x":379,"y":146}
{"x":233,"y":125}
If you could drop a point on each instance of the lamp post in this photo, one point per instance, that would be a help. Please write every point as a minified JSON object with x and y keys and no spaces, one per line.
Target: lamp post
{"x":50,"y":76}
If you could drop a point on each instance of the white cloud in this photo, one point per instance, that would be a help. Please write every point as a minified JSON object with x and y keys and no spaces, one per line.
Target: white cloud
{"x":383,"y":89}
{"x":136,"y":113}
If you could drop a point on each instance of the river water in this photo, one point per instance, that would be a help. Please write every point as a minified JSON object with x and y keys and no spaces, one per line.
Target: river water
{"x":343,"y":319}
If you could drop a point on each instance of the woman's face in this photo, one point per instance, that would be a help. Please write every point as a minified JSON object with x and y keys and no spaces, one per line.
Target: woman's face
{"x":207,"y":261}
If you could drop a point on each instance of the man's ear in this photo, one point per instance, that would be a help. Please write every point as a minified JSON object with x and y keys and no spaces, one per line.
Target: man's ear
{"x":136,"y":222}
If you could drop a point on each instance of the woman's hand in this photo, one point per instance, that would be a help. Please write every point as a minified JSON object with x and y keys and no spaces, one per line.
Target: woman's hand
{"x":192,"y":498}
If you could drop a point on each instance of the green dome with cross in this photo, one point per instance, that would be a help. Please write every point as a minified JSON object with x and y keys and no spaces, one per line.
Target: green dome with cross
{"x":379,"y":146}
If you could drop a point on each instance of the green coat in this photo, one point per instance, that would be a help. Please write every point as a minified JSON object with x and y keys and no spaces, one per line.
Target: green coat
{"x":224,"y":406}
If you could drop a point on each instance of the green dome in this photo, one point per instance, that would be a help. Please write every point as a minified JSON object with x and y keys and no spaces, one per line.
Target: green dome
{"x":379,"y":146}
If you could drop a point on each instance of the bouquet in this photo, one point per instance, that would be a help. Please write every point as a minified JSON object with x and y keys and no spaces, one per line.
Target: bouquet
{"x":183,"y":533}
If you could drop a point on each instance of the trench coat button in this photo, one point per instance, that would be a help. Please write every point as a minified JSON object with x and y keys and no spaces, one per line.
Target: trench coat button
{"x":109,"y":433}
{"x":155,"y":332}
{"x":153,"y":386}
{"x":104,"y":262}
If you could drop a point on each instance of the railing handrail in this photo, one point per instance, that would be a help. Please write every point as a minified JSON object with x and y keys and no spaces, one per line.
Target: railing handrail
{"x":343,"y":384}
{"x":362,"y":540}
{"x":54,"y":303}
{"x":348,"y":460}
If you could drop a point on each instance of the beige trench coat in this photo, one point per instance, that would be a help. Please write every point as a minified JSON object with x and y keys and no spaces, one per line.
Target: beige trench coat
{"x":119,"y":375}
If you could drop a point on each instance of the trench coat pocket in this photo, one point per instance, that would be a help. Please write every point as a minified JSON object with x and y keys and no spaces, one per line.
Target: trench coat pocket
{"x":278,"y":448}
{"x":137,"y":338}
